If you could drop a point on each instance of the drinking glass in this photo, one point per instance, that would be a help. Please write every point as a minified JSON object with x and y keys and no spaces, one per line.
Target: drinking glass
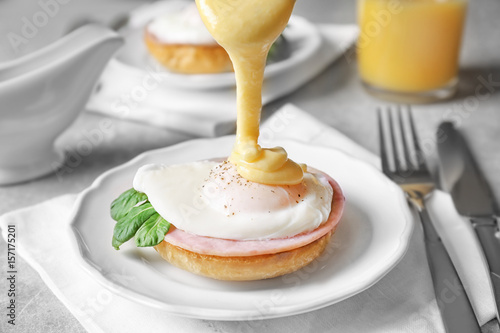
{"x":408,"y":50}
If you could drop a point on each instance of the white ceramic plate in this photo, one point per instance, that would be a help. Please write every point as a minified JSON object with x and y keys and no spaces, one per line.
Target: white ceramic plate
{"x":302,"y":37}
{"x":372,"y":237}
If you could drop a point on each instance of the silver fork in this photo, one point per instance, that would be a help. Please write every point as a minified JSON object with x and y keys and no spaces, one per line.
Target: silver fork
{"x":403,"y":162}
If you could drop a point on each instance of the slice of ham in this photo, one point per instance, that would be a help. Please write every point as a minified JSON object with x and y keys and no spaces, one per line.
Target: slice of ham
{"x":236,"y":248}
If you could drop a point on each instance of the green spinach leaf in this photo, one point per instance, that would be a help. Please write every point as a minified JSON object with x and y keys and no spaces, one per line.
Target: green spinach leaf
{"x":116,"y":243}
{"x":125,"y":202}
{"x":128,"y":225}
{"x":152,"y":232}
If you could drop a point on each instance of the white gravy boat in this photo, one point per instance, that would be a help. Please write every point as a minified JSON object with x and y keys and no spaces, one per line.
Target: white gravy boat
{"x":42,"y":93}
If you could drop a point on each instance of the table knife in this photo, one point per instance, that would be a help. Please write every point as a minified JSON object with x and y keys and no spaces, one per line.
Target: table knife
{"x":472,"y":197}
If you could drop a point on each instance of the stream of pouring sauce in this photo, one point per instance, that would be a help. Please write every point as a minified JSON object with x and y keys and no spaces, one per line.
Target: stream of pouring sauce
{"x":246,"y":29}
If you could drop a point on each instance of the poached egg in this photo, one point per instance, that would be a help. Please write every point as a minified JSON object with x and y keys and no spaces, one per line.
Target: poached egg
{"x":210,"y":198}
{"x":181,"y":27}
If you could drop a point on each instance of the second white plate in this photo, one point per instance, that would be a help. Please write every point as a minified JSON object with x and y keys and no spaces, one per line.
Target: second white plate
{"x":303,"y":40}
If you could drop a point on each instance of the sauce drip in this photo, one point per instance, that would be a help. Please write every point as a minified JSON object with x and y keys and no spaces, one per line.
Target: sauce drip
{"x":246,"y":29}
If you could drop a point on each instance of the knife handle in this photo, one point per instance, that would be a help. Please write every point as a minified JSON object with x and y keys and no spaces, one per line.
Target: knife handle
{"x":454,"y":305}
{"x":487,"y":231}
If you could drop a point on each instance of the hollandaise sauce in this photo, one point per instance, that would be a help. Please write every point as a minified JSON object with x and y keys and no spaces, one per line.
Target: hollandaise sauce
{"x":246,"y":29}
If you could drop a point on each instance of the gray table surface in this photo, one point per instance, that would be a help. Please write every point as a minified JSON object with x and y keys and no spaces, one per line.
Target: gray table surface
{"x":335,"y":96}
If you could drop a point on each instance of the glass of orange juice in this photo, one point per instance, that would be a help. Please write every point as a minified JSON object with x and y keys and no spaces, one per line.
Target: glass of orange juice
{"x":408,"y":50}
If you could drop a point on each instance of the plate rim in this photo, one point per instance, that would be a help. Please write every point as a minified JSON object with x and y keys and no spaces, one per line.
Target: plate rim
{"x":190,"y":311}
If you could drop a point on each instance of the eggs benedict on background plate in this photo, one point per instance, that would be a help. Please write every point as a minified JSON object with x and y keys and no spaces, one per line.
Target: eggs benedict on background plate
{"x":301,"y":43}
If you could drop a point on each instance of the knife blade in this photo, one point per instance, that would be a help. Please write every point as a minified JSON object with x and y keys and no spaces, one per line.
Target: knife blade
{"x":472,"y":196}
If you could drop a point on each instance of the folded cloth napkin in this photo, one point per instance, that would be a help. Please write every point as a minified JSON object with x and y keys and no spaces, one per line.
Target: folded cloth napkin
{"x":206,"y":112}
{"x":402,"y":301}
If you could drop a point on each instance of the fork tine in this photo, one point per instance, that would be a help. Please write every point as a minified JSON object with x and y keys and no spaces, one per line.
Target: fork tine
{"x":406,"y":148}
{"x":395,"y":152}
{"x":418,"y":150}
{"x":383,"y":147}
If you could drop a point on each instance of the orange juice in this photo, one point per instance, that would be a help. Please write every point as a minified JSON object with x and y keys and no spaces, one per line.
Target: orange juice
{"x":410,"y":46}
